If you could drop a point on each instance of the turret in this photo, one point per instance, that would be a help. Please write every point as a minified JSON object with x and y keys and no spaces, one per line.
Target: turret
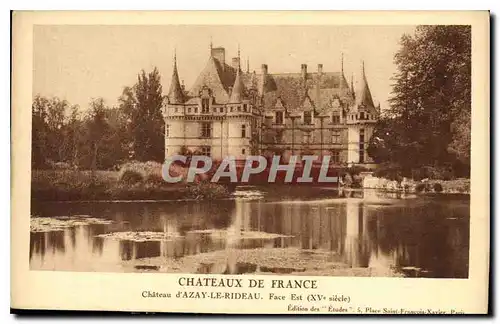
{"x":175,"y":93}
{"x":237,"y":91}
{"x":363,"y":95}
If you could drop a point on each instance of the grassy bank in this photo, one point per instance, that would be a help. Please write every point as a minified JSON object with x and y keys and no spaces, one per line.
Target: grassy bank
{"x":455,"y":186}
{"x":126,"y":184}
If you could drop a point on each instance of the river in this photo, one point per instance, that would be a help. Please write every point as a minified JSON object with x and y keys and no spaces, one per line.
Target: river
{"x":274,"y":230}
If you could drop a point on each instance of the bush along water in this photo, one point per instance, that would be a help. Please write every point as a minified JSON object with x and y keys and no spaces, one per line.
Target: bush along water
{"x":133,"y":181}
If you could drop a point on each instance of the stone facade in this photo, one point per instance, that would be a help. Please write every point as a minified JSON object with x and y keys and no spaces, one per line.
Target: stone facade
{"x":229,"y":112}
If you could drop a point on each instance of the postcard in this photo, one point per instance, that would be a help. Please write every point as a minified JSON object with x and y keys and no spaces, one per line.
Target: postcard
{"x":251,"y":162}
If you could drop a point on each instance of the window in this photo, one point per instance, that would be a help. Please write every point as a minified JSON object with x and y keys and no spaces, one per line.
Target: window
{"x":335,"y":119}
{"x":189,"y":110}
{"x":231,"y":109}
{"x":206,"y":130}
{"x":307,"y":138}
{"x":362,"y":156}
{"x":243,"y":151}
{"x":362,"y":115}
{"x":279,"y":117}
{"x":243,"y":130}
{"x":176,"y":109}
{"x":307,"y":118}
{"x":205,"y":103}
{"x":215,"y":110}
{"x":205,"y":150}
{"x":361,"y":135}
{"x":221,"y":109}
{"x":336,"y":137}
{"x":245,"y":107}
{"x":239,"y":108}
{"x":335,"y":156}
{"x":195,"y":110}
{"x":167,"y":130}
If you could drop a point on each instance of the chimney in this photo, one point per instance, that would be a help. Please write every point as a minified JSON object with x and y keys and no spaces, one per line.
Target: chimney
{"x":219,"y":53}
{"x":320,"y":68}
{"x":264,"y":69}
{"x":235,"y":63}
{"x":303,"y":69}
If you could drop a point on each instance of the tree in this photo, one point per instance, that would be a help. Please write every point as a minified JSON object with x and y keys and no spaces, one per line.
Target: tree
{"x":53,"y":121}
{"x":429,"y":114}
{"x":142,"y":104}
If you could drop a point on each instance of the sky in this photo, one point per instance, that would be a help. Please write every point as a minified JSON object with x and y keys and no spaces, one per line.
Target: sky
{"x":78,"y":63}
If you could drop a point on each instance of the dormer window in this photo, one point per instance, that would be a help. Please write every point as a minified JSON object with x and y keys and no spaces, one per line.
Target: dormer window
{"x":205,"y":105}
{"x":362,"y":115}
{"x":307,"y":118}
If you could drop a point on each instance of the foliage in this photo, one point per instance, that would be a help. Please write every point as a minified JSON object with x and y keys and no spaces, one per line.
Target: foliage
{"x":102,"y":137}
{"x":206,"y":190}
{"x":61,"y":185}
{"x":428,"y":123}
{"x":130,"y":177}
{"x":421,"y":187}
{"x":437,"y":187}
{"x":142,"y":105}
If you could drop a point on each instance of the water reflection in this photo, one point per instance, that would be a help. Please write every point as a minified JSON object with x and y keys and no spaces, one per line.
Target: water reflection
{"x":428,"y":236}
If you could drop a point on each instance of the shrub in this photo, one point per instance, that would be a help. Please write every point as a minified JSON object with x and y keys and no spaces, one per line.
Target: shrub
{"x":437,"y":187}
{"x":206,"y":190}
{"x":155,"y":179}
{"x":357,"y":169}
{"x":388,"y":171}
{"x":420,"y":187}
{"x":144,"y":168}
{"x":131,"y":177}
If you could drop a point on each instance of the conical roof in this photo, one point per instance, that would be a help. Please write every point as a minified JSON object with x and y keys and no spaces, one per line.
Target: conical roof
{"x":238,"y":88}
{"x":363,"y":95}
{"x":175,"y":93}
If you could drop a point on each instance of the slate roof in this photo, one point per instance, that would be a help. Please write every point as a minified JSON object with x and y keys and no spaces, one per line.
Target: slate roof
{"x":175,"y":93}
{"x":238,"y":91}
{"x":218,"y":77}
{"x":290,"y":88}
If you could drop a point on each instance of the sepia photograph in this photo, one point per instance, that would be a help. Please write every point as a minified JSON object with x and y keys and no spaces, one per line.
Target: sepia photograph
{"x":335,"y":150}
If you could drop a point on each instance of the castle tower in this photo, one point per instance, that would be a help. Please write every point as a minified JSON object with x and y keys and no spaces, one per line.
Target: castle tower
{"x":363,"y":95}
{"x":237,"y":92}
{"x":175,"y":93}
{"x":361,"y":121}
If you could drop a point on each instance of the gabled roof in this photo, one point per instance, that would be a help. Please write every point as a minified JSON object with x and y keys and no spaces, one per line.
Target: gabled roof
{"x":217,"y":77}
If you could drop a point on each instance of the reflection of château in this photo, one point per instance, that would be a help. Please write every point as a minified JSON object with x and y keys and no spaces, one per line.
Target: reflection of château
{"x":229,"y":112}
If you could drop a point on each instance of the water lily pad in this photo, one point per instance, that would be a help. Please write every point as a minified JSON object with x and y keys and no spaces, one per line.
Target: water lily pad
{"x":141,"y":236}
{"x":59,"y":223}
{"x":222,"y":234}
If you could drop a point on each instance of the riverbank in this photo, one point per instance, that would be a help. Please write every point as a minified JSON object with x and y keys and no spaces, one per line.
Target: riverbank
{"x":74,"y":185}
{"x":456,"y":186}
